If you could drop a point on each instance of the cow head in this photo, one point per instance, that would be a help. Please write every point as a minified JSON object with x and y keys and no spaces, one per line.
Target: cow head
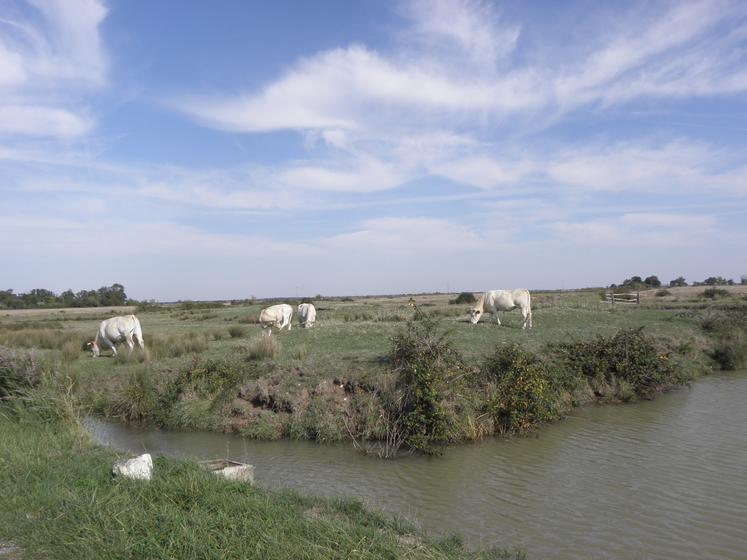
{"x":94,"y":348}
{"x":474,"y":315}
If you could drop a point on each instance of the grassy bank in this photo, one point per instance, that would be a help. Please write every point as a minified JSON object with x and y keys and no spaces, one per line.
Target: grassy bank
{"x":60,"y":501}
{"x":369,"y":373}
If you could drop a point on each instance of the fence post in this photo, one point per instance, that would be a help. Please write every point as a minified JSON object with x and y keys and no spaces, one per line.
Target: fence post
{"x":638,"y":297}
{"x":613,"y":298}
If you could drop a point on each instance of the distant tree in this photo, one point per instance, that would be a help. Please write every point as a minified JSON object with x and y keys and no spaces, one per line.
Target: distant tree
{"x":715,"y":281}
{"x":743,"y":280}
{"x":464,"y":297}
{"x":677,"y":282}
{"x":652,"y":282}
{"x":633,"y":283}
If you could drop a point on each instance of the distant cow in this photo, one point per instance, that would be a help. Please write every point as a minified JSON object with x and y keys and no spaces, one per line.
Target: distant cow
{"x":276,"y":316}
{"x":116,"y":330}
{"x":493,"y":301}
{"x":306,"y":314}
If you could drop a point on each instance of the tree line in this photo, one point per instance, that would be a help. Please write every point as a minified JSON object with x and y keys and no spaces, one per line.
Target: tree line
{"x":40,"y":298}
{"x":638,"y":283}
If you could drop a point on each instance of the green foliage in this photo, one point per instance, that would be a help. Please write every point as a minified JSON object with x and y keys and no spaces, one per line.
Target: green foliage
{"x":713,"y":293}
{"x":463,"y":298}
{"x":139,"y":400}
{"x":19,"y":372}
{"x":521,"y":393}
{"x":717,"y":281}
{"x":663,"y":293}
{"x":424,"y":361}
{"x":113,"y":295}
{"x":677,"y":282}
{"x":652,"y":282}
{"x":628,"y":356}
{"x":268,"y":425}
{"x":236,"y":331}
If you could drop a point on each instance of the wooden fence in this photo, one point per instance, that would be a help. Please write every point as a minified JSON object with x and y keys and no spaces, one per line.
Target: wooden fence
{"x":614,"y":298}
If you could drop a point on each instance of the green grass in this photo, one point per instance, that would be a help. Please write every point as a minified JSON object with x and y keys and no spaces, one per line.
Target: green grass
{"x":60,"y":500}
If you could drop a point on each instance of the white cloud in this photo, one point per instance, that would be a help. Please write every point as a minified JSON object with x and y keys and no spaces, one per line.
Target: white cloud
{"x":33,"y":120}
{"x":414,"y":235}
{"x":48,"y":61}
{"x":471,"y":26}
{"x":640,"y":229}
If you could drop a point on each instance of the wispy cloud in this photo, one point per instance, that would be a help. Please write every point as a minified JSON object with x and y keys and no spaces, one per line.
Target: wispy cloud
{"x":50,"y":55}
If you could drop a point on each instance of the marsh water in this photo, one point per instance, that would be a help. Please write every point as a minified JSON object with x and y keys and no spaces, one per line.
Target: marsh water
{"x":661,"y":479}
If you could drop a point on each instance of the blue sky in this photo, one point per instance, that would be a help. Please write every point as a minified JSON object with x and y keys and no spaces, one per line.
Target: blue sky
{"x":198,"y":150}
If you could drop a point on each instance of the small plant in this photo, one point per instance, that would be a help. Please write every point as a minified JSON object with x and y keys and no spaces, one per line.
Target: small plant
{"x":262,"y":347}
{"x":713,"y":293}
{"x":300,"y":352}
{"x":70,"y":351}
{"x":19,"y":372}
{"x":236,"y":331}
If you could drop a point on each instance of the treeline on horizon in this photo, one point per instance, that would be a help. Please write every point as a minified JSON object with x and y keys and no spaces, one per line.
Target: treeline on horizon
{"x":636,"y":282}
{"x":40,"y":298}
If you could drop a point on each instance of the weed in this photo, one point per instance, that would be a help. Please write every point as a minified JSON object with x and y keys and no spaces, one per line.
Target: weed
{"x":262,"y":347}
{"x":236,"y":332}
{"x":19,"y":372}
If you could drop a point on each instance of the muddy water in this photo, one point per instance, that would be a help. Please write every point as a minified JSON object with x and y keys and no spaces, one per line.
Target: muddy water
{"x":663,"y":479}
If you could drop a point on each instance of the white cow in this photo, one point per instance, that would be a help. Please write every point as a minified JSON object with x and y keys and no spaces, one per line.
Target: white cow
{"x":279,"y":316}
{"x":115,"y":330}
{"x":494,"y":301}
{"x":306,"y":314}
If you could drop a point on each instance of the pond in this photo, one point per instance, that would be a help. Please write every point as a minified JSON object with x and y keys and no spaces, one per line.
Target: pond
{"x":659,"y":479}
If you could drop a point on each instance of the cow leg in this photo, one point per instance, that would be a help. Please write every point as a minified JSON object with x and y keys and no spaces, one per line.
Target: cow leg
{"x":497,"y":319}
{"x":110,"y":344}
{"x":130,"y":344}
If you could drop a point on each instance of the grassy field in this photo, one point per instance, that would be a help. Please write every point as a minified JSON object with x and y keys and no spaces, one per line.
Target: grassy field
{"x":208,"y":366}
{"x":60,"y":500}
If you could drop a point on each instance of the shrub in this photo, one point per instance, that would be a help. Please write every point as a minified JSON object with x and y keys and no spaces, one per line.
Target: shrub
{"x":70,"y":351}
{"x":423,"y":360}
{"x":464,"y":297}
{"x":629,"y":356}
{"x":236,"y":331}
{"x":249,"y":320}
{"x":267,"y":426}
{"x":139,"y":398}
{"x":663,"y":293}
{"x":730,"y":354}
{"x":19,"y":372}
{"x":300,"y":352}
{"x":713,"y":293}
{"x":521,"y":393}
{"x":262,"y":347}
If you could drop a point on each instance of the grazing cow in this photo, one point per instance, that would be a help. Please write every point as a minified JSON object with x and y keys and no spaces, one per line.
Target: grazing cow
{"x":494,"y":301}
{"x":115,"y":330}
{"x":306,"y":314}
{"x":276,"y":316}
